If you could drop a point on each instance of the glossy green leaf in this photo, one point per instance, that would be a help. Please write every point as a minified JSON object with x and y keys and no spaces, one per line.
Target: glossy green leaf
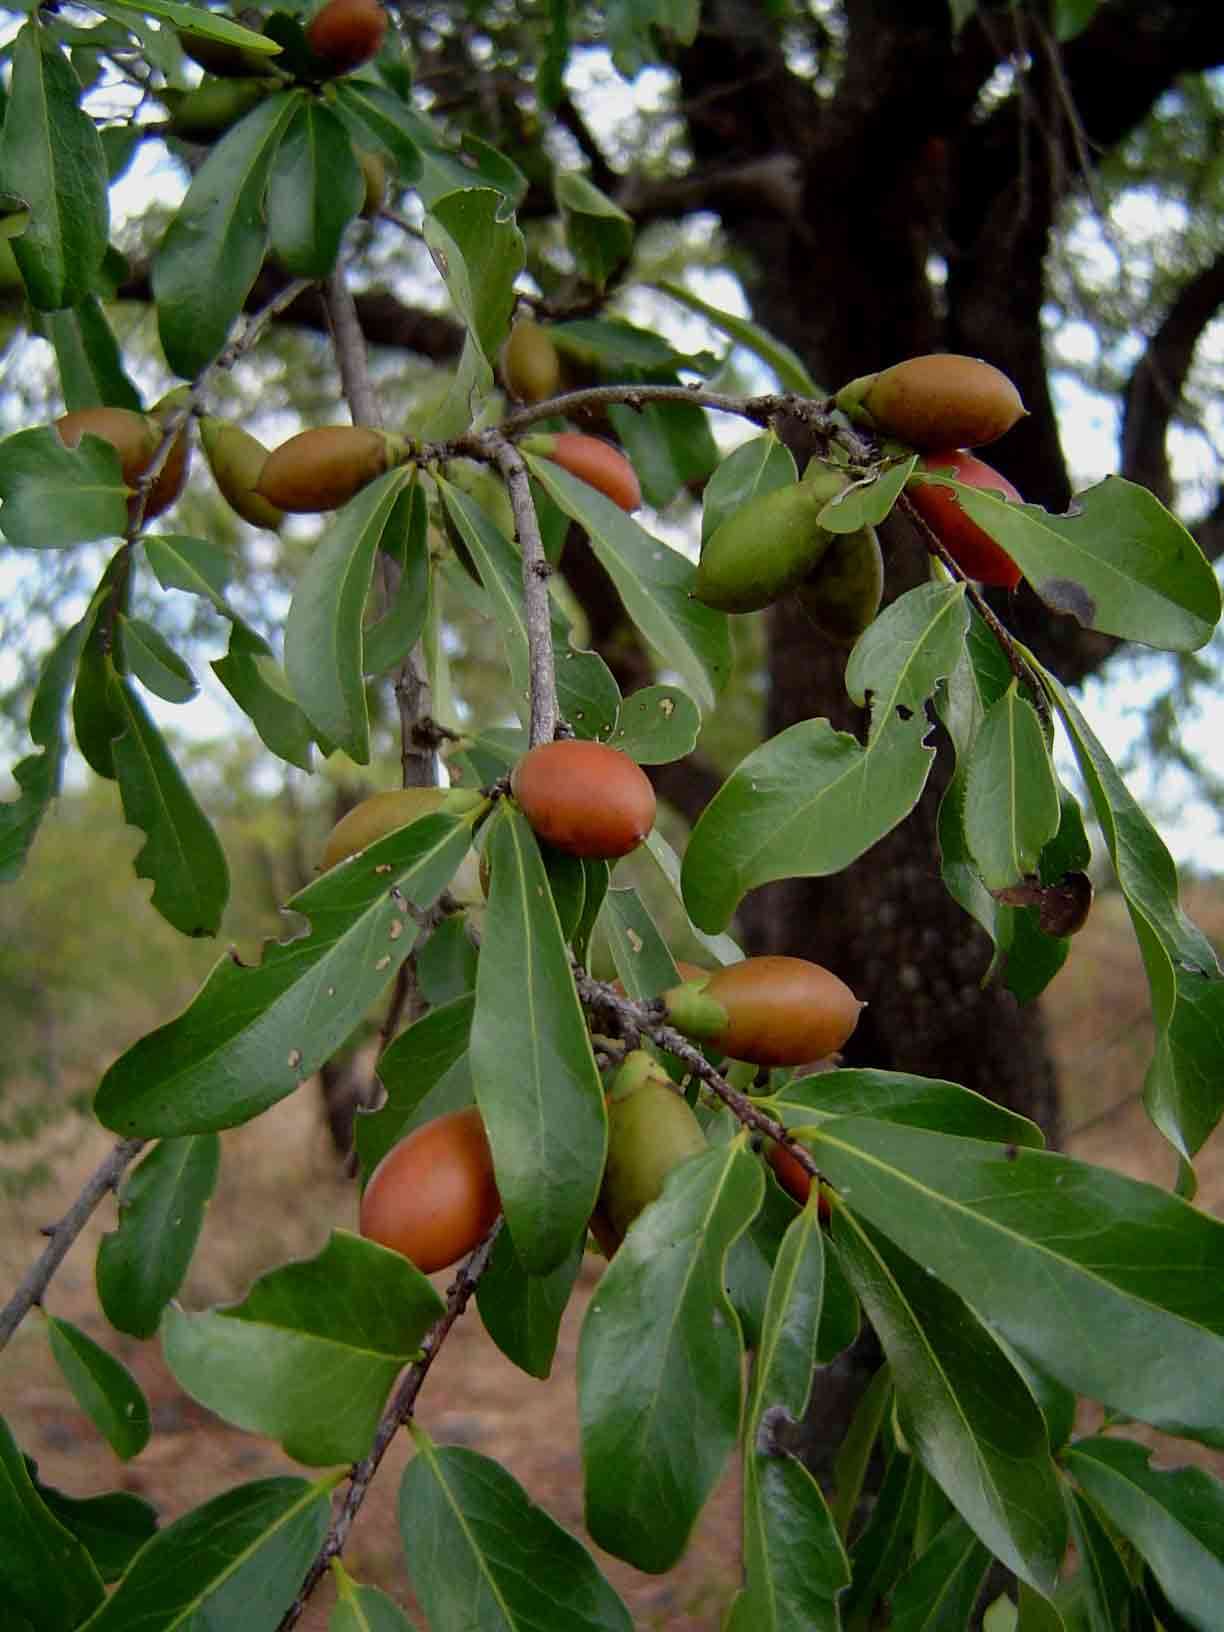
{"x":364,"y":1609}
{"x":854,"y":1453}
{"x":90,"y":363}
{"x":587,"y":693}
{"x":56,"y":496}
{"x":214,"y":247}
{"x":521,"y":1312}
{"x":39,"y":775}
{"x":310,"y":1354}
{"x":1183,"y":1090}
{"x":388,"y":641}
{"x":669,"y":444}
{"x":254,"y":1033}
{"x":653,"y":580}
{"x":236,"y":1562}
{"x":567,"y":886}
{"x":598,"y":880}
{"x":482,"y":1557}
{"x":866,"y":502}
{"x":787,"y":365}
{"x":112,"y":1528}
{"x":1118,"y":561}
{"x":656,"y":725}
{"x":1174,"y":1518}
{"x":653,"y":1442}
{"x":141,"y":1265}
{"x":1104,"y":1583}
{"x":721,"y":948}
{"x":938,"y":1591}
{"x":45,"y":1573}
{"x":598,"y":232}
{"x":965,"y":1411}
{"x":420,"y":1071}
{"x":181,"y":853}
{"x":642,"y":959}
{"x":882,"y":1552}
{"x":148,"y":655}
{"x":1011,"y":806}
{"x":478,"y":251}
{"x":315,"y":189}
{"x":51,"y":157}
{"x":811,"y":800}
{"x":534,"y":1073}
{"x":104,"y":1388}
{"x":324,"y":630}
{"x":897,"y":1096}
{"x":756,"y":467}
{"x":751,"y":1260}
{"x":210,"y":25}
{"x":616,"y":347}
{"x":1024,"y":1235}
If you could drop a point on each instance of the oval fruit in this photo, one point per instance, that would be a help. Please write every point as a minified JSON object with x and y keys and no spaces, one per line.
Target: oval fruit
{"x":236,"y":459}
{"x":433,"y":1197}
{"x":794,"y":1179}
{"x":974,"y":551}
{"x":373,"y":169}
{"x":842,"y":596}
{"x":770,"y":1010}
{"x":651,"y":1129}
{"x":323,"y":468}
{"x":597,"y":463}
{"x":941,"y":400}
{"x":530,"y":365}
{"x":214,"y":105}
{"x":584,"y":798}
{"x":346,"y":33}
{"x":136,"y":439}
{"x":766,"y":546}
{"x":377,"y":816}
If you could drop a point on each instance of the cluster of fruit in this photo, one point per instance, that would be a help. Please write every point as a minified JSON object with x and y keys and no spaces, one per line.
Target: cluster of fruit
{"x":433,"y":1196}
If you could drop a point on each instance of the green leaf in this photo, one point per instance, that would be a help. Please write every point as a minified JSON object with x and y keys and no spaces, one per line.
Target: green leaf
{"x":45,"y":1572}
{"x":882,"y":1553}
{"x":255,"y":1033}
{"x":896,"y":1096}
{"x":598,"y":880}
{"x":550,"y":75}
{"x":669,"y":444}
{"x":90,"y":363}
{"x":1011,"y":806}
{"x":324,"y":629}
{"x":237,"y":1561}
{"x":1183,"y":1091}
{"x":446,"y":964}
{"x":56,"y":496}
{"x":198,"y":567}
{"x":482,"y":1557}
{"x":1173,"y":1518}
{"x":964,"y":1409}
{"x":257,"y":683}
{"x":1117,"y":562}
{"x":653,"y":580}
{"x":148,"y":655}
{"x":938,"y":1591}
{"x":812,"y":800}
{"x":1105,"y":1588}
{"x":755,"y":468}
{"x":793,"y":1559}
{"x":309,"y":1356}
{"x":721,"y":948}
{"x":598,"y":232}
{"x":214,"y":247}
{"x":40,"y":774}
{"x":850,"y":1463}
{"x":534,"y":1073}
{"x":632,"y":25}
{"x":588,"y":696}
{"x":181,"y":854}
{"x":387,"y":642}
{"x":112,"y":1528}
{"x":1024,"y":1235}
{"x":654,"y":1439}
{"x":478,"y":251}
{"x":656,"y":725}
{"x":521,"y":1312}
{"x":141,"y":1265}
{"x":642,"y":959}
{"x":616,"y":347}
{"x":1072,"y":17}
{"x":867,"y":501}
{"x":418,"y":1070}
{"x":51,"y":157}
{"x":210,"y":25}
{"x":315,"y":189}
{"x":786,"y":364}
{"x":500,"y":569}
{"x":104,"y":1388}
{"x":364,"y":1609}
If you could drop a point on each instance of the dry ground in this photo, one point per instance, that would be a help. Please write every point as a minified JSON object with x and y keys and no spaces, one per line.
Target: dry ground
{"x":279,"y":1197}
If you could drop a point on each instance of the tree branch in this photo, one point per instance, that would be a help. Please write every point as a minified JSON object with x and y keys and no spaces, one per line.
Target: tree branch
{"x":536,"y":607}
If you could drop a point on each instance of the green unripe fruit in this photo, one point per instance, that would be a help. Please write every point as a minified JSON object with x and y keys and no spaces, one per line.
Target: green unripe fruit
{"x":651,"y":1129}
{"x":768,"y":546}
{"x":942,"y":400}
{"x":236,"y":460}
{"x":530,"y":365}
{"x":322,"y":469}
{"x":214,"y":105}
{"x":374,"y":175}
{"x":842,"y":596}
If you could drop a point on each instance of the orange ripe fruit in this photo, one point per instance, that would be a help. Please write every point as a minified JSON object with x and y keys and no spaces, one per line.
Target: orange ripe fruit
{"x":598,"y":464}
{"x":779,"y":1011}
{"x":433,"y":1197}
{"x":136,"y":439}
{"x":347,"y":33}
{"x":941,"y":400}
{"x":794,"y":1179}
{"x":584,"y":797}
{"x":322,"y":469}
{"x":974,"y":551}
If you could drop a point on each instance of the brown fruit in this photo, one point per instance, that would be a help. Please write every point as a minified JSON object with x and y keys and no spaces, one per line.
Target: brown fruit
{"x":382,"y":813}
{"x":597,"y":463}
{"x":973,"y":550}
{"x":322,"y":469}
{"x":794,"y":1179}
{"x":651,"y":1129}
{"x":584,"y":797}
{"x":530,"y":365}
{"x":433,"y":1197}
{"x":938,"y":401}
{"x":770,"y":1010}
{"x":136,"y":439}
{"x":236,"y":460}
{"x":347,"y":33}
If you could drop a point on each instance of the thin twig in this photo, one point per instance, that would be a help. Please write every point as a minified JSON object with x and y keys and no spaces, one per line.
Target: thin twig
{"x":760,"y":410}
{"x":536,"y":607}
{"x":37,"y":1278}
{"x":396,"y":1414}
